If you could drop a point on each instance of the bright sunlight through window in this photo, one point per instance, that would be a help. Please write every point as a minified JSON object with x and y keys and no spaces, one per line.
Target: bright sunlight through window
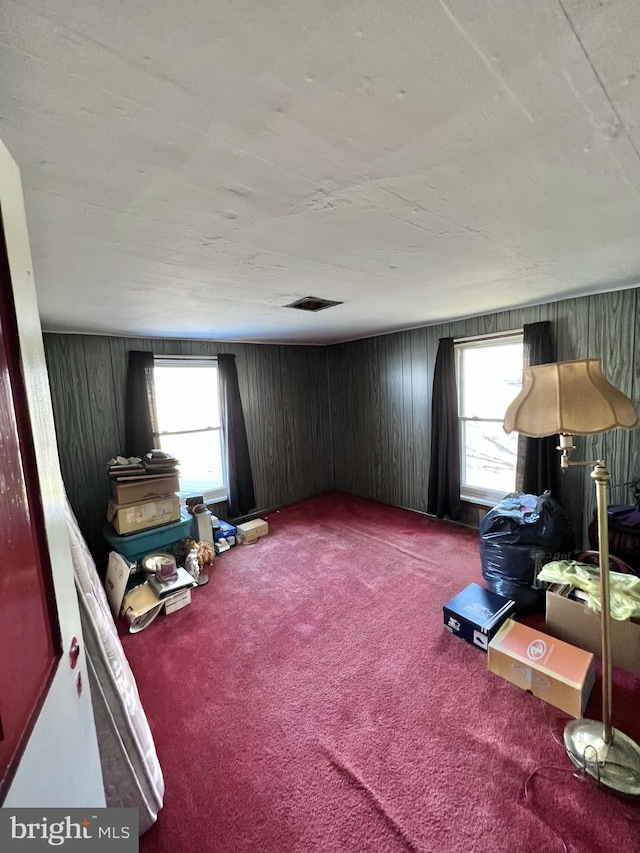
{"x":489,"y":377}
{"x":189,"y":423}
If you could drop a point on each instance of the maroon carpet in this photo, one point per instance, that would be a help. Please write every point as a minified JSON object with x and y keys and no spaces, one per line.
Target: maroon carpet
{"x":309,"y":699}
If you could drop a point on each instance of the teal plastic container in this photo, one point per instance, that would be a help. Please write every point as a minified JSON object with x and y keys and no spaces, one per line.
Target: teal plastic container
{"x":136,"y":545}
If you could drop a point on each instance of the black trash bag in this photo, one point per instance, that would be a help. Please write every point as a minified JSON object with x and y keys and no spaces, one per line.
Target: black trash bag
{"x":517,"y":537}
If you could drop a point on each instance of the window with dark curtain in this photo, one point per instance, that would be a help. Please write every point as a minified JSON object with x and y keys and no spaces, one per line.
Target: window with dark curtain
{"x":443,"y":498}
{"x":241,"y":497}
{"x":140,"y":427}
{"x":538,"y":468}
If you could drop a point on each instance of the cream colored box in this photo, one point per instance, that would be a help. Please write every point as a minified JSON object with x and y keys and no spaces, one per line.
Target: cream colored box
{"x":144,"y":488}
{"x":132,"y":518}
{"x":251,"y":531}
{"x":177,"y":601}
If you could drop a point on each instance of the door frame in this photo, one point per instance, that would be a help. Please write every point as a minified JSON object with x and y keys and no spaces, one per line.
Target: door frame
{"x":60,"y":762}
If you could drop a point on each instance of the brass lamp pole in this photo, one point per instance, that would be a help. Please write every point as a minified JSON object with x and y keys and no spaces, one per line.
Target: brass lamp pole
{"x":574,"y":398}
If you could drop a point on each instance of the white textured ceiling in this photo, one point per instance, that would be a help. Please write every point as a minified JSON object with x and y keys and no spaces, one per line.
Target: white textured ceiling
{"x":192,"y":166}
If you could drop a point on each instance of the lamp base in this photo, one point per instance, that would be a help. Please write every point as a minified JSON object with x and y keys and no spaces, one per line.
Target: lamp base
{"x":614,"y":765}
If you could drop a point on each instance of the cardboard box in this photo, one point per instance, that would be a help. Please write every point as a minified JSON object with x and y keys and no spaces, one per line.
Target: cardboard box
{"x":140,"y":607}
{"x":574,"y":622}
{"x":115,"y":581}
{"x":476,"y":613}
{"x":131,"y":518}
{"x":251,"y":531}
{"x":144,"y":488}
{"x":552,"y":670}
{"x":177,"y":601}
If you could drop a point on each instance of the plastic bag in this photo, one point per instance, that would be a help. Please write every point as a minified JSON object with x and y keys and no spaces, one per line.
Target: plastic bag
{"x":624,"y":589}
{"x":517,"y":537}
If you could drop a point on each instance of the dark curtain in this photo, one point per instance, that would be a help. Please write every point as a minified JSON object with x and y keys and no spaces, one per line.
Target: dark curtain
{"x":538,"y":463}
{"x":444,"y":473}
{"x":140,"y":425}
{"x":241,"y":498}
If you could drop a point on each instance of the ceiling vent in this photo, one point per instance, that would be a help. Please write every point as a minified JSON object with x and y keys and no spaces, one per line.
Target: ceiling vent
{"x":312,"y":303}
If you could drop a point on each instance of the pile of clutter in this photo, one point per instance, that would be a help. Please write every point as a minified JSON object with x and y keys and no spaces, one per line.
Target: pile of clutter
{"x":160,"y":551}
{"x":220,"y":534}
{"x":158,"y":582}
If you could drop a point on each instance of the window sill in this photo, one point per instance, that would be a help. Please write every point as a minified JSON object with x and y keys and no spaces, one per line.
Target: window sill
{"x":211,"y":496}
{"x":481,"y":497}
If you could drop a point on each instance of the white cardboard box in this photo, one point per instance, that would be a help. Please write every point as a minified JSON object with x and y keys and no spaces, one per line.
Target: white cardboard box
{"x":177,"y":601}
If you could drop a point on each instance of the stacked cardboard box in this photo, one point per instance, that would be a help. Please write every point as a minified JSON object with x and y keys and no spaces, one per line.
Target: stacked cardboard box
{"x":144,"y":496}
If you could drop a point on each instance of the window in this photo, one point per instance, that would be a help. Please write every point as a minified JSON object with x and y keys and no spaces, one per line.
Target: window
{"x":189,"y":423}
{"x":489,"y":376}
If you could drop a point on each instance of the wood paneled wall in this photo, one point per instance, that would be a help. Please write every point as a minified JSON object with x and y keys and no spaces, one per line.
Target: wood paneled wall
{"x":284,"y":392}
{"x":353,"y":416}
{"x":381,"y":400}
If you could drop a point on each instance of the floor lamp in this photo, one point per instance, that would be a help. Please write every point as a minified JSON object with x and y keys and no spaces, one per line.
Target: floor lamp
{"x":574,"y":398}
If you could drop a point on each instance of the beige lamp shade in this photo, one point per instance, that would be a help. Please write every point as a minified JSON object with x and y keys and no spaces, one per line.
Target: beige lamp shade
{"x":570,"y":397}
